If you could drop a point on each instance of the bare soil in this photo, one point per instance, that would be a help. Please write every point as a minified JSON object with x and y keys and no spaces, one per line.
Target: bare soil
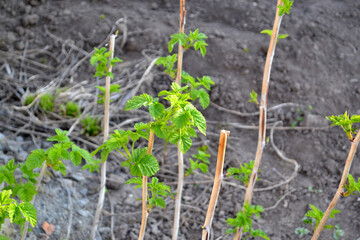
{"x":317,"y":65}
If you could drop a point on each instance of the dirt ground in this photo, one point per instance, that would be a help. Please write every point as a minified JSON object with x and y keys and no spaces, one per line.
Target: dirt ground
{"x":316,"y":67}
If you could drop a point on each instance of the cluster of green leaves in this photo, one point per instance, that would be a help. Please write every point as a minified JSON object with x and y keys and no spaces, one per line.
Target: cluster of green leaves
{"x":338,"y":232}
{"x":198,"y":87}
{"x":24,"y":189}
{"x":100,"y":58}
{"x":54,"y":156}
{"x":193,"y":39}
{"x":298,"y":119}
{"x":314,"y":216}
{"x":47,"y":102}
{"x":301,"y":231}
{"x":201,"y":162}
{"x":101,"y":96}
{"x":158,"y":191}
{"x":18,"y":213}
{"x":243,"y":173}
{"x":177,"y":122}
{"x":346,"y":123}
{"x":254,"y":98}
{"x":269,"y":32}
{"x":285,"y":7}
{"x":70,"y":109}
{"x":353,"y":187}
{"x":139,"y":162}
{"x":244,"y":220}
{"x":91,"y":125}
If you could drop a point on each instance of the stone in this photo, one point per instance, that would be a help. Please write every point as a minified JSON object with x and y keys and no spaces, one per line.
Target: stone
{"x":10,"y":37}
{"x":82,"y":212}
{"x":30,"y":19}
{"x":115,"y":182}
{"x":154,"y":6}
{"x":312,"y":120}
{"x":331,"y":166}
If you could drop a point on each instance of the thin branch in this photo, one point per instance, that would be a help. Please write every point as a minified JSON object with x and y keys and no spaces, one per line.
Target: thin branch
{"x":262,"y":118}
{"x":349,"y":160}
{"x":145,"y":212}
{"x":106,"y":135}
{"x":217,"y":184}
{"x":175,"y":231}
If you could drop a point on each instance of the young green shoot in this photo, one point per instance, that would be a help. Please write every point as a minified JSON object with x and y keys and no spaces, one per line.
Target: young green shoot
{"x":254,"y":98}
{"x":201,"y":162}
{"x":314,"y":216}
{"x":47,"y":102}
{"x":269,"y":32}
{"x":91,"y":126}
{"x":346,"y":123}
{"x":285,"y":7}
{"x":352,"y":188}
{"x":301,"y":232}
{"x":243,"y":173}
{"x":70,"y":109}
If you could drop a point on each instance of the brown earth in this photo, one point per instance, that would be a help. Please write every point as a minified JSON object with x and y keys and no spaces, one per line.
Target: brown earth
{"x":317,"y":66}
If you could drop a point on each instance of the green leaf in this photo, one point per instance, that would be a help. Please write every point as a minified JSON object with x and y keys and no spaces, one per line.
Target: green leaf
{"x":138,"y":101}
{"x":143,"y":164}
{"x":204,"y":98}
{"x":185,"y":143}
{"x":27,"y":192}
{"x":35,"y":159}
{"x":5,"y":197}
{"x":60,"y":137}
{"x":29,"y":212}
{"x":259,"y":233}
{"x":160,"y":202}
{"x":3,"y":238}
{"x":198,"y":119}
{"x":75,"y":157}
{"x":156,"y":109}
{"x":136,"y":180}
{"x":181,"y":118}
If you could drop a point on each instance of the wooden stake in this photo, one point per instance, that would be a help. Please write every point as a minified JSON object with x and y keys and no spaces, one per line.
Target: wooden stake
{"x":349,"y":160}
{"x":263,"y":107}
{"x":217,"y":184}
{"x":106,"y":136}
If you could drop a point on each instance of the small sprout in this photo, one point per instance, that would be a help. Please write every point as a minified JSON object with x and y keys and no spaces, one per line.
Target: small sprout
{"x":269,"y":32}
{"x":310,"y":107}
{"x":193,"y":39}
{"x":201,"y":162}
{"x":352,"y":188}
{"x":286,"y":7}
{"x":314,"y":216}
{"x":91,"y":125}
{"x":301,"y":231}
{"x":346,"y":123}
{"x":102,"y":16}
{"x":243,"y":173}
{"x":29,"y":98}
{"x":338,"y":233}
{"x":100,"y":59}
{"x":246,"y":50}
{"x":101,"y":96}
{"x":47,"y":102}
{"x":253,"y":98}
{"x":70,"y":109}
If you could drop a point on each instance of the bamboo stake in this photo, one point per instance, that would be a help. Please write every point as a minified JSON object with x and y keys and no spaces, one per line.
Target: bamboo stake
{"x":106,"y":135}
{"x":349,"y":160}
{"x":263,"y":106}
{"x":145,"y":212}
{"x":175,"y":230}
{"x":217,"y":184}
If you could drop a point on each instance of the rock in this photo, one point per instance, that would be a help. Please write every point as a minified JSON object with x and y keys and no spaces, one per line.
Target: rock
{"x":77,"y":176}
{"x":20,"y":46}
{"x":331,"y":166}
{"x":312,"y":120}
{"x":83,"y":202}
{"x":123,"y":229}
{"x":4,"y":157}
{"x":30,"y":19}
{"x":115,"y":182}
{"x":154,"y":229}
{"x":104,"y":230}
{"x":82,"y":212}
{"x":10,"y":37}
{"x":154,"y":6}
{"x":7,"y":229}
{"x":22,"y":155}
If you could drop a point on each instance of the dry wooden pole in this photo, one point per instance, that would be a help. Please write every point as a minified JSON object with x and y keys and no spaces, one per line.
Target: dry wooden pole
{"x":106,"y":135}
{"x":263,"y":107}
{"x":145,"y":212}
{"x":175,"y":230}
{"x":349,"y":160}
{"x":217,"y":184}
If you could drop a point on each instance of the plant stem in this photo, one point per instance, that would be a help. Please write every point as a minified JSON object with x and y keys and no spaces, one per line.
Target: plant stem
{"x":145,"y":212}
{"x":349,"y":160}
{"x":175,"y":231}
{"x":41,"y":175}
{"x":106,"y":135}
{"x":217,"y":184}
{"x":262,"y":117}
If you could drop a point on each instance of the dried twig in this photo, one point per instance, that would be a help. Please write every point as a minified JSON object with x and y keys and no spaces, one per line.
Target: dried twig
{"x":217,"y":184}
